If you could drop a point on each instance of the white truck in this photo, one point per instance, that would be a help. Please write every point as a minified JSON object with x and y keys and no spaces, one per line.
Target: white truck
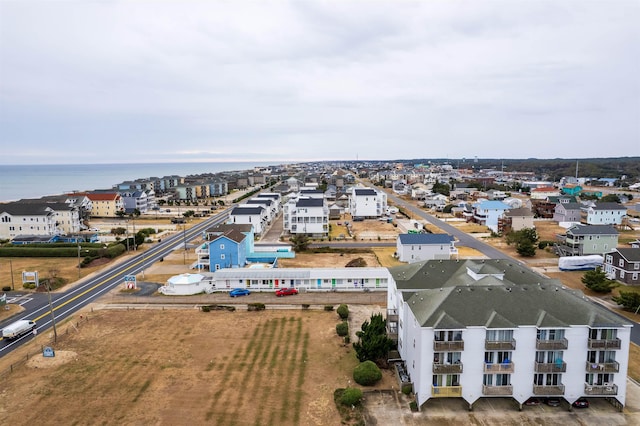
{"x":18,"y":328}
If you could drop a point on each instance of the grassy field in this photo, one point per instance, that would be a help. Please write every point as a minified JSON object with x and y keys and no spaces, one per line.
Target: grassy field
{"x":184,"y":367}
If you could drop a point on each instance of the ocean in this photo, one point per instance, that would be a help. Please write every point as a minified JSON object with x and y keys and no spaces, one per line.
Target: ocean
{"x":35,"y":181}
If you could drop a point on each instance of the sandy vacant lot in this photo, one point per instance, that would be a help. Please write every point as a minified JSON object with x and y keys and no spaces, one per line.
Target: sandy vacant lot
{"x":170,"y":367}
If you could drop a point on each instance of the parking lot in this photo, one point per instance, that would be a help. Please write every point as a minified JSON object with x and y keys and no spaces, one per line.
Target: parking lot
{"x":390,"y":408}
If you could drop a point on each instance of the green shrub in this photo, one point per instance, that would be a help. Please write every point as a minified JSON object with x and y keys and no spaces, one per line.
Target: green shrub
{"x":347,"y":340}
{"x":413,"y":406}
{"x":205,"y":308}
{"x":343,"y":311}
{"x":351,"y":396}
{"x":342,"y":328}
{"x":6,"y":288}
{"x":328,"y":308}
{"x":407,"y":388}
{"x":305,"y":306}
{"x":29,"y":285}
{"x":256,"y":307}
{"x":367,"y":373}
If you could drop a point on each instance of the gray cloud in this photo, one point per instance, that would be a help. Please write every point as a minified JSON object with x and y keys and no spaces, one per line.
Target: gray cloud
{"x":193,"y":81}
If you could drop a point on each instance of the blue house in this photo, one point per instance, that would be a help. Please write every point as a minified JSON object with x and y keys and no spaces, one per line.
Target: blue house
{"x":227,"y":246}
{"x":488,"y":212}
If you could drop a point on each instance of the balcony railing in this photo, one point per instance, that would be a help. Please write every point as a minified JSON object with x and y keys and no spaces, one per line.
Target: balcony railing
{"x":497,"y":390}
{"x":447,"y":368}
{"x":500,"y":345}
{"x":505,"y":367}
{"x":446,"y":391}
{"x":606,"y":389}
{"x":548,"y":345}
{"x":550,"y":367}
{"x":448,"y":346}
{"x":548,"y":390}
{"x":604,"y":343}
{"x":603,"y":367}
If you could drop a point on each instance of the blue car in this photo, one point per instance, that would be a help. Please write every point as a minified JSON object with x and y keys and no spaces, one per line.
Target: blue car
{"x":239,"y":292}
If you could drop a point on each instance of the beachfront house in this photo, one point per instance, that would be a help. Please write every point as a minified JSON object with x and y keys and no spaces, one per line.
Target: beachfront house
{"x":28,"y":219}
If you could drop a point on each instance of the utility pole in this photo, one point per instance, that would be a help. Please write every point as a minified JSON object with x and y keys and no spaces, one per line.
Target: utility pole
{"x":53,"y":318}
{"x":11,"y":268}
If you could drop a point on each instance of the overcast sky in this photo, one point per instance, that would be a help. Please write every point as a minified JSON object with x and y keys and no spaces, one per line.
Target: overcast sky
{"x":169,"y":81}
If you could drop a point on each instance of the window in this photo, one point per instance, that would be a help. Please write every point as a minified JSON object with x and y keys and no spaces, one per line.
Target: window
{"x":221,"y":246}
{"x":222,"y":256}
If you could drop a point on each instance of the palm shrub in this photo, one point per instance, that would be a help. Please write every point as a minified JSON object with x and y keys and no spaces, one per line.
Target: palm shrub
{"x":367,"y":373}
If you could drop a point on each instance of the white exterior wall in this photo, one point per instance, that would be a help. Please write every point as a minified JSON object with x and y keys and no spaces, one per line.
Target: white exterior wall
{"x":13,"y":226}
{"x":605,"y":217}
{"x":368,"y":205}
{"x":417,"y":351}
{"x":248,"y":219}
{"x":68,"y":221}
{"x":412,"y":253}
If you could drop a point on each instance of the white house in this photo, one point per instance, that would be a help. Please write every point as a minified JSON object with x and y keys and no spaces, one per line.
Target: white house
{"x":34,"y":219}
{"x":249,"y":215}
{"x":367,"y":203}
{"x":488,"y":212}
{"x":603,"y":214}
{"x":414,"y":248}
{"x":308,"y":216}
{"x":492,"y":328}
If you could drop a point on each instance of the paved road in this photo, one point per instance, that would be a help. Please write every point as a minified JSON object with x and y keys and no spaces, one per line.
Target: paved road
{"x":68,"y":302}
{"x":493,"y":253}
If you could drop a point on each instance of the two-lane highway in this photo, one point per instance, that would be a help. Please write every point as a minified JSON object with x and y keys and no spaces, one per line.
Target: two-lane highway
{"x":66,"y":303}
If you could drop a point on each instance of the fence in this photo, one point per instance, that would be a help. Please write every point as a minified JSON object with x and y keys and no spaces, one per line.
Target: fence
{"x":71,"y":326}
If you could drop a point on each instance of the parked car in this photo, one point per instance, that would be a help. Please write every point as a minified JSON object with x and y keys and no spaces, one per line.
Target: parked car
{"x":239,"y":292}
{"x":532,"y":401}
{"x":286,"y":291}
{"x":581,"y":403}
{"x":553,"y":402}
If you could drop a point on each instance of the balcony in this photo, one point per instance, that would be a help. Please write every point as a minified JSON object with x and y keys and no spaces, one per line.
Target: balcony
{"x":550,"y":367}
{"x":604,"y":343}
{"x":448,"y":346}
{"x":500,"y":345}
{"x":497,"y":390}
{"x":606,"y":389}
{"x":548,"y":390}
{"x":447,"y":368}
{"x":505,"y":367}
{"x":603,"y":367}
{"x":446,"y":391}
{"x":550,"y":345}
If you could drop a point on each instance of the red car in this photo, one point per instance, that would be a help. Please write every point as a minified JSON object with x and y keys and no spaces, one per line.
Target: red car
{"x":287,"y":291}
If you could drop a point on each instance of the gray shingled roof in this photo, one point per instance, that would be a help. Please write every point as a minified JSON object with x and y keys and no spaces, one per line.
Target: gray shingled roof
{"x":425,"y":238}
{"x":609,"y":206}
{"x":310,"y":202}
{"x":247,"y":211}
{"x":493,"y":293}
{"x":27,"y":209}
{"x":631,"y":254}
{"x":592,"y":230}
{"x":365,"y":191}
{"x":545,"y":305}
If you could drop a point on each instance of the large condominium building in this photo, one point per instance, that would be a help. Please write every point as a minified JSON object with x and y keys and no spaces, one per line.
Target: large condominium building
{"x":491,"y":328}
